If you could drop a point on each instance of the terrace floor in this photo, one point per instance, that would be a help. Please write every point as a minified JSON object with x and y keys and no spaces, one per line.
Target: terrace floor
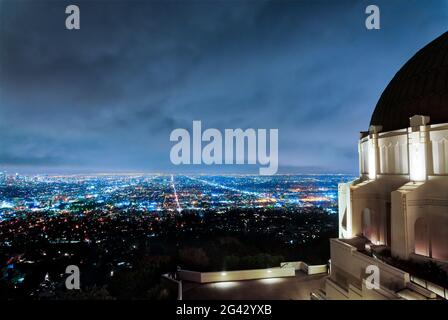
{"x":296,"y":288}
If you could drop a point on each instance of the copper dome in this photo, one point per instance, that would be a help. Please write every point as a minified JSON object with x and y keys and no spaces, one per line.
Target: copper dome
{"x":419,"y":88}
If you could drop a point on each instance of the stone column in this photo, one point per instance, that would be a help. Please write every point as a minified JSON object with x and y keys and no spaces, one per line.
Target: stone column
{"x":374,"y":156}
{"x":418,"y":141}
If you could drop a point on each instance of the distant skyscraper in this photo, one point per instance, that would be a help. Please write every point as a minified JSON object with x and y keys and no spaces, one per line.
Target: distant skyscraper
{"x":397,"y":210}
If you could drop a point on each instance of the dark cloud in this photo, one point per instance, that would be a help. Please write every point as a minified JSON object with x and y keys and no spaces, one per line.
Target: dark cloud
{"x":106,"y":97}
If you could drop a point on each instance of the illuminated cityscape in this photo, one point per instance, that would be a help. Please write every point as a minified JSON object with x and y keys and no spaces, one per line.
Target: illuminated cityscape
{"x":164,"y":194}
{"x":108,"y":223}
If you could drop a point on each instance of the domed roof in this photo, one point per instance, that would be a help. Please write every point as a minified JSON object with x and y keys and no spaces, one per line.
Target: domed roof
{"x":419,"y":88}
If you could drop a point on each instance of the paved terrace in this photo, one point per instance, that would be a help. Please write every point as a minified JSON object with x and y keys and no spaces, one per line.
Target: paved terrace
{"x":296,"y":288}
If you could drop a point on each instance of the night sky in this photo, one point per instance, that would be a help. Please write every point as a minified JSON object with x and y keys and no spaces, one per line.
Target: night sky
{"x":105,"y":98}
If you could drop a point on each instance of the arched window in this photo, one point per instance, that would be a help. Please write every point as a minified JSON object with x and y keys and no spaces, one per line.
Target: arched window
{"x":421,"y":237}
{"x":439,"y":238}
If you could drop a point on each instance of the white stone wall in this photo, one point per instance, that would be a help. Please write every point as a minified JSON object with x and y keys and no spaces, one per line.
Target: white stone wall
{"x":237,"y":275}
{"x":364,"y":156}
{"x":393,"y":153}
{"x":428,"y":201}
{"x":348,"y":272}
{"x":394,"y":149}
{"x":439,"y":150}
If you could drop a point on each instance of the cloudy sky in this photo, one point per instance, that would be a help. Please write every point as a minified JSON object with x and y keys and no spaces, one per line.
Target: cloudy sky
{"x":106,"y":97}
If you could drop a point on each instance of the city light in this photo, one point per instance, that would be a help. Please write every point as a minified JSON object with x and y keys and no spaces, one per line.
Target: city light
{"x":126,"y":212}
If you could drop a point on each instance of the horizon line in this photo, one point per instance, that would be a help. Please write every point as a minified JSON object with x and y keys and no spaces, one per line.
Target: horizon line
{"x":169,"y":173}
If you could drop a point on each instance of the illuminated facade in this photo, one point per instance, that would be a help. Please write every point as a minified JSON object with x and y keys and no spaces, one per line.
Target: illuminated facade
{"x":397,"y":210}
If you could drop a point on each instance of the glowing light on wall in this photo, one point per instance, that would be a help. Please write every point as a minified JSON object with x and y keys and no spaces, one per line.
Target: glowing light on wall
{"x":225,"y":285}
{"x":271,"y":280}
{"x":372,"y":159}
{"x":417,"y":161}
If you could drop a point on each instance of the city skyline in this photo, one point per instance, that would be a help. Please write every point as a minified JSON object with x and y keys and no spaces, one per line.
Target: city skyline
{"x":113,"y":227}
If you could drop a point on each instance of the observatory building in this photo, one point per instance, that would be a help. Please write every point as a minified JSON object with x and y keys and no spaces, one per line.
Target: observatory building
{"x":395,"y":215}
